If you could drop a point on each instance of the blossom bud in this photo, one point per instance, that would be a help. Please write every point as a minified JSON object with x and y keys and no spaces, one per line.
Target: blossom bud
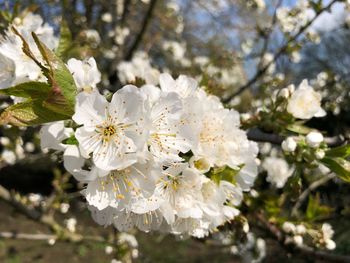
{"x":320,"y":154}
{"x":300,"y":229}
{"x":313,"y":139}
{"x":289,"y":145}
{"x":288,"y":227}
{"x":330,"y":244}
{"x":51,"y":241}
{"x":298,"y":240}
{"x":5,"y":141}
{"x":284,"y":93}
{"x":291,"y":88}
{"x":108,"y":250}
{"x":245,"y":117}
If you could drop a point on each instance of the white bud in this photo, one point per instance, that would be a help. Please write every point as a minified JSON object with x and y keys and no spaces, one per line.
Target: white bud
{"x":51,"y":241}
{"x":5,"y":141}
{"x":29,"y":147}
{"x":320,"y":154}
{"x":288,"y":227}
{"x":330,"y":244}
{"x":291,"y":88}
{"x":107,"y":17}
{"x":300,"y":229}
{"x":71,"y":224}
{"x":289,"y":145}
{"x":284,"y":93}
{"x":108,"y":250}
{"x":313,"y":139}
{"x":64,"y":207}
{"x":245,"y":227}
{"x":245,"y":116}
{"x":298,"y":240}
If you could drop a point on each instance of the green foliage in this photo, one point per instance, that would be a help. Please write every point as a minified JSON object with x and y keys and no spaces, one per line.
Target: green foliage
{"x":341,"y":151}
{"x":28,"y":113}
{"x":45,"y":102}
{"x":339,"y":166}
{"x":30,"y":89}
{"x":316,"y":211}
{"x":32,"y":110}
{"x":65,"y":42}
{"x":62,"y":95}
{"x":224,"y":173}
{"x":71,"y":141}
{"x":297,"y":127}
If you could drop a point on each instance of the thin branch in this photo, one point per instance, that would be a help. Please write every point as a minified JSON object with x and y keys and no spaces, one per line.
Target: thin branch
{"x":311,"y":188}
{"x":145,"y":23}
{"x":269,"y":33}
{"x":281,"y":51}
{"x":15,"y":235}
{"x":257,"y":135}
{"x":277,"y":234}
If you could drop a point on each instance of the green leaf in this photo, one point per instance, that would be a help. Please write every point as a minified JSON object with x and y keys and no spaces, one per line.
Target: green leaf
{"x":339,"y":166}
{"x":30,"y":112}
{"x":225,"y":173}
{"x":71,"y":141}
{"x":28,"y":90}
{"x":316,"y":211}
{"x":62,"y":95}
{"x":65,"y":42}
{"x":298,"y":128}
{"x":341,"y":151}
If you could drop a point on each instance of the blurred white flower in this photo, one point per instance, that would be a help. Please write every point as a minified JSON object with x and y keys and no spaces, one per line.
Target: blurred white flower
{"x":288,"y":227}
{"x":278,"y":171}
{"x":107,"y":17}
{"x":64,"y":207}
{"x":305,"y":103}
{"x":109,"y":250}
{"x":8,"y":156}
{"x":327,"y":234}
{"x":71,"y":224}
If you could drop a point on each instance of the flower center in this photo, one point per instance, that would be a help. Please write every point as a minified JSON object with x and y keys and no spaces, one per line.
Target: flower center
{"x":108,"y":132}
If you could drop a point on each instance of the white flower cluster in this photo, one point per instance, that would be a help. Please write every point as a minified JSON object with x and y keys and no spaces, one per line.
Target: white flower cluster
{"x":295,"y":233}
{"x":139,"y":67}
{"x":278,"y":171}
{"x":15,"y":66}
{"x":148,"y":149}
{"x":291,"y":19}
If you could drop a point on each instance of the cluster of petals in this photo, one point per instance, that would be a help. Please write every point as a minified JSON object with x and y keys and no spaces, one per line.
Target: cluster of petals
{"x":144,"y":154}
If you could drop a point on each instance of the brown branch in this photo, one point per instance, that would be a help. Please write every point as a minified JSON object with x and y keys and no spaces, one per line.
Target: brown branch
{"x":277,"y":234}
{"x":139,"y":37}
{"x":283,"y":49}
{"x":257,"y":135}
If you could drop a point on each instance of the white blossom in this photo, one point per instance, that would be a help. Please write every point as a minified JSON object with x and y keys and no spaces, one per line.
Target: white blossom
{"x":289,"y":145}
{"x":85,"y":73}
{"x":113,"y":131}
{"x":278,"y":171}
{"x":314,"y":139}
{"x":305,"y":103}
